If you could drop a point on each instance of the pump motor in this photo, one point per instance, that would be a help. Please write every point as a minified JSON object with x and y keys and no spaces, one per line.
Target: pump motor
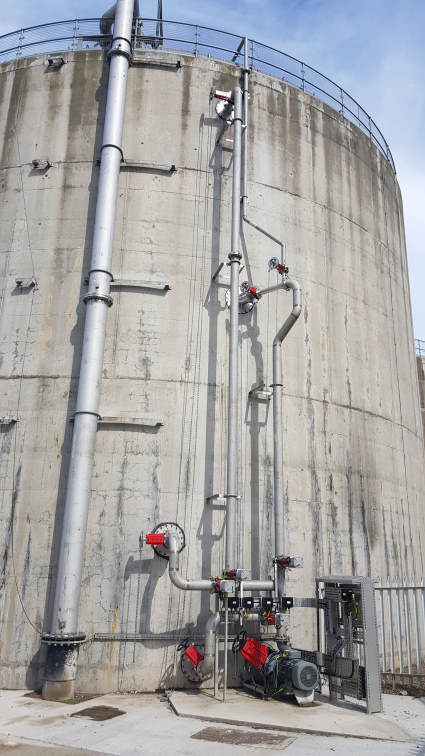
{"x":274,"y":673}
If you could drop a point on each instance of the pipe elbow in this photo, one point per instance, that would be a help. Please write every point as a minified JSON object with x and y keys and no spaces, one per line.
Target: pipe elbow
{"x":105,"y":24}
{"x":107,"y":20}
{"x":177,"y":580}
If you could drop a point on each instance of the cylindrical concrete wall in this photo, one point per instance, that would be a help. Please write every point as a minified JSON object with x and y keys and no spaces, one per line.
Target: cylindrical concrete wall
{"x":354,"y":474}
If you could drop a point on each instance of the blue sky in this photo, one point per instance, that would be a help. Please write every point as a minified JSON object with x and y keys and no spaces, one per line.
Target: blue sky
{"x":375,"y":49}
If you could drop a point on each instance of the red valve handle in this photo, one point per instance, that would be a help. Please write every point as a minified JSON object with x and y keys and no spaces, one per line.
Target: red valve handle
{"x":155,"y":539}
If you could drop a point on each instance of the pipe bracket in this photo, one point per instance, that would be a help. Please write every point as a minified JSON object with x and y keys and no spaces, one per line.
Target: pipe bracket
{"x":85,"y":412}
{"x":119,"y":50}
{"x":116,"y":146}
{"x":99,"y":270}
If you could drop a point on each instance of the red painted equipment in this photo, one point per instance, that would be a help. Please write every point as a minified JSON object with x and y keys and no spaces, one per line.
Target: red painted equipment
{"x":155,"y":539}
{"x":268,"y":618}
{"x":255,"y":652}
{"x":193,"y":655}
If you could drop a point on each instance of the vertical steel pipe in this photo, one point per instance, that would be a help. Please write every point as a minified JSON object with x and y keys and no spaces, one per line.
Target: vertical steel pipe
{"x":383,"y":641}
{"x":400,"y":635}
{"x":391,"y":624}
{"x":278,"y":420}
{"x":226,"y":643}
{"x":232,"y":496}
{"x":416,"y":618}
{"x":71,"y":554}
{"x":407,"y":622}
{"x":245,"y":100}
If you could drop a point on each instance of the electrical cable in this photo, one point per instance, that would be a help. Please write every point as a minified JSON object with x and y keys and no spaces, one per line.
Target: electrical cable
{"x":14,"y":473}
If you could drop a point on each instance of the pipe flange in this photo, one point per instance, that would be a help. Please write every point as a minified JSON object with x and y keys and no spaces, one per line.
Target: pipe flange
{"x":166,"y":528}
{"x":68,"y":639}
{"x":98,"y":298}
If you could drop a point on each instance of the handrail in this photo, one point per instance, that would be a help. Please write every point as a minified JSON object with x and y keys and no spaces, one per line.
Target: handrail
{"x":76,"y":34}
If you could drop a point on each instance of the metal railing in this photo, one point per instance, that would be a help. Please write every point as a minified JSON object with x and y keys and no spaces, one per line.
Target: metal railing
{"x":400,"y":613}
{"x":420,"y":348}
{"x":195,"y":40}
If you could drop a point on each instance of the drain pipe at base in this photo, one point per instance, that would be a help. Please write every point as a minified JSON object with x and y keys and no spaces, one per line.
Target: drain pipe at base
{"x":63,"y":640}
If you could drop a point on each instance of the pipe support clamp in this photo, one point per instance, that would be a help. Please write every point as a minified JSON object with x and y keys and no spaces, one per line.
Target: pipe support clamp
{"x":98,"y":298}
{"x":120,"y":50}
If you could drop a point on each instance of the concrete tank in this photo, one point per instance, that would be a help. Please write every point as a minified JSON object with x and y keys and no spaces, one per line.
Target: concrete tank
{"x":354,"y":472}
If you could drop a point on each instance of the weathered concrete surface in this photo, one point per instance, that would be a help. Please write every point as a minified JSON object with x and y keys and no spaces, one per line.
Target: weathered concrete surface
{"x":420,"y":363}
{"x":150,"y":727}
{"x":353,"y":434}
{"x":322,"y":719}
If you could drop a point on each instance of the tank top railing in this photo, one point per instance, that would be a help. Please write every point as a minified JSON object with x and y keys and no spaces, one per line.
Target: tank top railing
{"x":81,"y":34}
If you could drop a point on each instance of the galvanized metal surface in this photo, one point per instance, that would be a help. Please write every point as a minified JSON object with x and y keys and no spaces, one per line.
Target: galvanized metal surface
{"x":400,"y":607}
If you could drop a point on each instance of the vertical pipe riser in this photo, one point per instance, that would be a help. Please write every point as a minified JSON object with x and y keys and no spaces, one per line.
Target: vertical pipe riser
{"x":278,"y":425}
{"x":233,"y":399}
{"x":62,"y":659}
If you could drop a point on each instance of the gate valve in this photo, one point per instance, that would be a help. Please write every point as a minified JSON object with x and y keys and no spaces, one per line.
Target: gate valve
{"x":155,"y":539}
{"x":190,"y":652}
{"x":193,"y":655}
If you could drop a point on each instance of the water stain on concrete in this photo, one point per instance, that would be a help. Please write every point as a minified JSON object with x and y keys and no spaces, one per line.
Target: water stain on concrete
{"x":234,"y":736}
{"x":99,"y":713}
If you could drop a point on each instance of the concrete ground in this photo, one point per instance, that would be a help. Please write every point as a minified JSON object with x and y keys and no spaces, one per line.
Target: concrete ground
{"x":126,"y":725}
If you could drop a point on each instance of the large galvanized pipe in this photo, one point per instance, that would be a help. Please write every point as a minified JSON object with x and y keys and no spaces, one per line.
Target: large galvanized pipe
{"x":62,"y":659}
{"x":207,"y":664}
{"x":278,"y":420}
{"x":232,"y":495}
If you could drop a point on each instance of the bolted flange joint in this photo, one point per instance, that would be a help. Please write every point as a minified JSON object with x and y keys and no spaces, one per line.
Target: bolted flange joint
{"x":68,"y":639}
